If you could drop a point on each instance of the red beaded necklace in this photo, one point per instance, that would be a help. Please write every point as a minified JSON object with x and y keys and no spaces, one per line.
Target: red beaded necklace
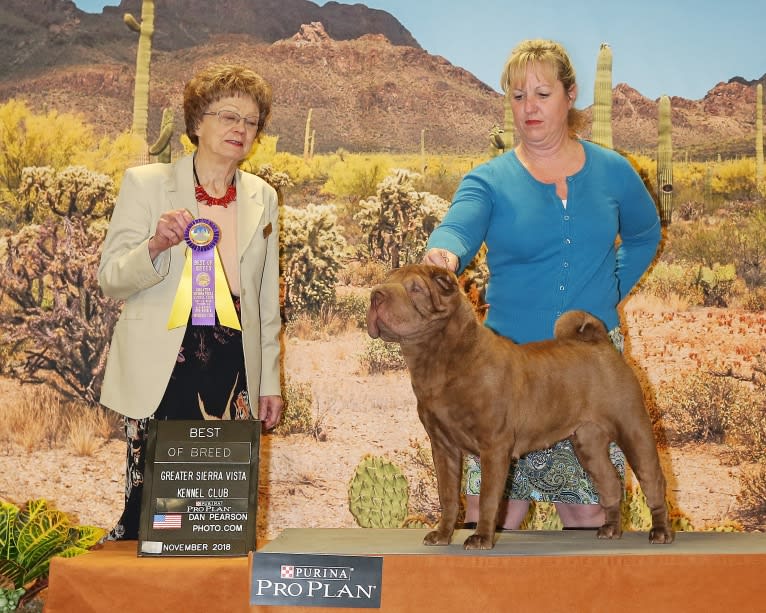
{"x":204,"y":198}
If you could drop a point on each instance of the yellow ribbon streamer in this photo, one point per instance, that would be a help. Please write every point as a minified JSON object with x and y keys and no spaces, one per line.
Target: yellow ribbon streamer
{"x":182,"y":303}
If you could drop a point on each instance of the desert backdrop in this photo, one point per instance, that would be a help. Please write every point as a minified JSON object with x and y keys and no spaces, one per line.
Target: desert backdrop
{"x":364,"y":121}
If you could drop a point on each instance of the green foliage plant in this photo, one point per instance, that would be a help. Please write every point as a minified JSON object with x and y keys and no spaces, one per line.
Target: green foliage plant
{"x":311,"y":250}
{"x":378,"y":493}
{"x":30,"y":536}
{"x":601,"y":132}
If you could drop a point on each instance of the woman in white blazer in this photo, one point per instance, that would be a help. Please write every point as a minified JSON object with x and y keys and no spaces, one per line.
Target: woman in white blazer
{"x":163,"y":369}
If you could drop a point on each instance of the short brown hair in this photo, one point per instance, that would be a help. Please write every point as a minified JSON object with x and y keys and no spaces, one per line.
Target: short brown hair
{"x":222,"y":81}
{"x":549,"y":54}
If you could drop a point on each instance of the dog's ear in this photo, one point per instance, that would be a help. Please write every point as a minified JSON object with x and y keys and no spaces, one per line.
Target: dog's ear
{"x":445,"y":280}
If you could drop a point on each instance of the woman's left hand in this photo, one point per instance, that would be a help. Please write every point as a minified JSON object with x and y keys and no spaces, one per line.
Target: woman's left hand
{"x":270,"y":410}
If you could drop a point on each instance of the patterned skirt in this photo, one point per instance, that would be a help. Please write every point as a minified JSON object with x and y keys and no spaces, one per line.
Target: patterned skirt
{"x":549,"y":475}
{"x":207,"y":382}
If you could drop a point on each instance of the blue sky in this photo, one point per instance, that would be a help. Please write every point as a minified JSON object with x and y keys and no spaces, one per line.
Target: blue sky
{"x":674,"y":47}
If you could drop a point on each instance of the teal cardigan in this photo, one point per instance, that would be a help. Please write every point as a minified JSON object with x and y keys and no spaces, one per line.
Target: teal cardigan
{"x":544,"y":258}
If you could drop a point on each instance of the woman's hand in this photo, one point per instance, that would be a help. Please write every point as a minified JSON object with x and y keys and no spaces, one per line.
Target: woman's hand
{"x":170,"y":231}
{"x":442,"y":258}
{"x":269,"y":410}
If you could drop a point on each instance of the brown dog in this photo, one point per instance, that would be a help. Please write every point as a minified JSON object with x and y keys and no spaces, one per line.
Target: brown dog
{"x":481,"y":393}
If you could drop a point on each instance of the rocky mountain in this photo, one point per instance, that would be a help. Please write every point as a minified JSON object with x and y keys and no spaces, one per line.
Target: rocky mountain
{"x":369,"y":84}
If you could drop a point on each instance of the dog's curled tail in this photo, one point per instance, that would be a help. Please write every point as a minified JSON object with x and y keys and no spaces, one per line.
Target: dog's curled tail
{"x":581,"y":326}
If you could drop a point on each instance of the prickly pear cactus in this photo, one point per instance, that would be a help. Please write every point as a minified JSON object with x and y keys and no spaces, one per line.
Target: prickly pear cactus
{"x":378,"y":494}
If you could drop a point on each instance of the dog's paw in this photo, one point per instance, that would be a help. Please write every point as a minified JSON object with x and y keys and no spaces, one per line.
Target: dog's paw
{"x":437,"y":538}
{"x":609,"y":531}
{"x":478,"y":541}
{"x":661,"y":535}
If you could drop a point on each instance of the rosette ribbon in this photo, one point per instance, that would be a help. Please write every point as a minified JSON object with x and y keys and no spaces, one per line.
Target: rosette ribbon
{"x":203,"y":290}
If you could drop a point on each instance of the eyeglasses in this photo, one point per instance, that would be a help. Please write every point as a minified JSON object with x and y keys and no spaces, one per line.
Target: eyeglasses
{"x":230,"y":118}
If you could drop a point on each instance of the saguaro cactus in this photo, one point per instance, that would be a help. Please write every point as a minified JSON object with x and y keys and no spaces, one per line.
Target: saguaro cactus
{"x":665,"y":162}
{"x":501,"y":140}
{"x":143,"y":57}
{"x":759,"y":134}
{"x":307,"y":137}
{"x":161,"y":147}
{"x":602,"y":98}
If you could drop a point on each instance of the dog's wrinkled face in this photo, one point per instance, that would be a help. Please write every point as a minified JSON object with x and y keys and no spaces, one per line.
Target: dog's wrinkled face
{"x":411,"y":303}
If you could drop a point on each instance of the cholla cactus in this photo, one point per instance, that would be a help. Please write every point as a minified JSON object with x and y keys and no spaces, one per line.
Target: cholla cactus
{"x":75,"y":191}
{"x":378,"y":494}
{"x":311,"y":250}
{"x":602,"y":98}
{"x":399,"y":220}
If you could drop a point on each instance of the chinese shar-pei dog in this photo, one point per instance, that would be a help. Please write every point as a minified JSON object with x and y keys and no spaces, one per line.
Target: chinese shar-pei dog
{"x":481,"y":393}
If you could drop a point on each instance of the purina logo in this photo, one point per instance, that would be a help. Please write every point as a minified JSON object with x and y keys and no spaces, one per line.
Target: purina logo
{"x":288,"y":572}
{"x":316,"y":580}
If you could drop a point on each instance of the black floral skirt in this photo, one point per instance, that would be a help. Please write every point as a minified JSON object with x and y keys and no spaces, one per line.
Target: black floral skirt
{"x":207,"y":382}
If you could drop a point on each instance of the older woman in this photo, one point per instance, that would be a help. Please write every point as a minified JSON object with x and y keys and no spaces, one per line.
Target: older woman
{"x":551,"y":212}
{"x":160,"y":370}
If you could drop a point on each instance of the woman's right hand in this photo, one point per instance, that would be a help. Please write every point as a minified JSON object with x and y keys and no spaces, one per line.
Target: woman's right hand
{"x":441,"y":258}
{"x":170,"y":231}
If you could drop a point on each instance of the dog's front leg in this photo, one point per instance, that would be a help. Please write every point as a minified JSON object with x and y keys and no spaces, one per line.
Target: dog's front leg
{"x":494,"y":472}
{"x":448,"y":462}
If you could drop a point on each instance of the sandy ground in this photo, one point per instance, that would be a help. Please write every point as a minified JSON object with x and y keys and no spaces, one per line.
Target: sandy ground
{"x":304,"y":480}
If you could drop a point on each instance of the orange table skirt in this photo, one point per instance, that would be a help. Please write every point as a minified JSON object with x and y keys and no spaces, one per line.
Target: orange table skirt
{"x":537,"y":572}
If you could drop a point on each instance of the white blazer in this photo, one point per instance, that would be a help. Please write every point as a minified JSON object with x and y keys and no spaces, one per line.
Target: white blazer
{"x":143,"y":351}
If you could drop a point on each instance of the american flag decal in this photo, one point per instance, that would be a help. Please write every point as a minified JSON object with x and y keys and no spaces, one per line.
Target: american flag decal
{"x":168,"y":521}
{"x":287,"y":572}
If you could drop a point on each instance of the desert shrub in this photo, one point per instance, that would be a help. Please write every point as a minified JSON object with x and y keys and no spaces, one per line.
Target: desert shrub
{"x":735,"y":179}
{"x":381,"y":357}
{"x":755,"y":300}
{"x":352,"y":309}
{"x":752,"y":496}
{"x":329,"y":321}
{"x":717,"y":284}
{"x":311,"y":251}
{"x":363,"y":274}
{"x":399,"y":220}
{"x":356,"y":176}
{"x":704,"y":407}
{"x":739,"y":240}
{"x":670,"y":280}
{"x":297,"y":414}
{"x":299,"y":170}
